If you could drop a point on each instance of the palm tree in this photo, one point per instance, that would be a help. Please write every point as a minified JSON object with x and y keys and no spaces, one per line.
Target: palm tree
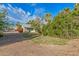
{"x":76,"y":6}
{"x":67,"y":10}
{"x":48,"y":17}
{"x":76,"y":10}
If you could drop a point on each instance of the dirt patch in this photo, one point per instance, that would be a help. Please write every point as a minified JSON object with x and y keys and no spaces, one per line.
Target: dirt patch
{"x":15,"y":45}
{"x":26,"y":47}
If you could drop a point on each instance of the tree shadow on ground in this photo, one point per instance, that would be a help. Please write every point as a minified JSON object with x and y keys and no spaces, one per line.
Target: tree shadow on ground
{"x":16,"y":37}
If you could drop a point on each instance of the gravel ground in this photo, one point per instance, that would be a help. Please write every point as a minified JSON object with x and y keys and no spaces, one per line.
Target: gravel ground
{"x":13,"y":44}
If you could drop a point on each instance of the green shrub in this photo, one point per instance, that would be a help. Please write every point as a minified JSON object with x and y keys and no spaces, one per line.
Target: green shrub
{"x":63,"y":25}
{"x":1,"y":34}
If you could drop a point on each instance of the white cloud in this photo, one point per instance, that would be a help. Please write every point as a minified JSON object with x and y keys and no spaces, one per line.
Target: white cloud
{"x":19,"y":15}
{"x":13,"y":19}
{"x":8,"y":8}
{"x":33,"y":4}
{"x":21,"y":11}
{"x":16,"y":14}
{"x":39,"y":11}
{"x":9,"y":5}
{"x":2,"y":7}
{"x":28,"y":13}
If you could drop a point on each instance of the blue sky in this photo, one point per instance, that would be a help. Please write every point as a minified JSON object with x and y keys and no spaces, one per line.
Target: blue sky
{"x":22,"y":12}
{"x":52,"y":8}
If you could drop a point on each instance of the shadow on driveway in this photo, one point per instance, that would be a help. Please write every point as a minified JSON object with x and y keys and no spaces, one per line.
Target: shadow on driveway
{"x":10,"y":38}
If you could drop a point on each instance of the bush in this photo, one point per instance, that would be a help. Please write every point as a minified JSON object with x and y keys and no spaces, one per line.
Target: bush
{"x":1,"y":34}
{"x":63,"y":26}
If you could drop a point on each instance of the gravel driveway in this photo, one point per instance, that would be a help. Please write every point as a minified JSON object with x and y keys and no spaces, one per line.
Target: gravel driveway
{"x":13,"y":44}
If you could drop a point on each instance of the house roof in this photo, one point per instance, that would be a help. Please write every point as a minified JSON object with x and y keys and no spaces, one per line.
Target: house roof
{"x":28,"y":26}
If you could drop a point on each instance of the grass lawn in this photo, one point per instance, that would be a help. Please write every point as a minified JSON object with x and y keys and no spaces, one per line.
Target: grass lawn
{"x":37,"y":39}
{"x":49,"y":40}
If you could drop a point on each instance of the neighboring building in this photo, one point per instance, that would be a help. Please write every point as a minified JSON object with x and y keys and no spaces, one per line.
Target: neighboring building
{"x":28,"y":28}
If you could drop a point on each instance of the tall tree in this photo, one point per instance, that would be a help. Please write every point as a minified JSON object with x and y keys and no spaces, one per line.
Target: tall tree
{"x":2,"y":19}
{"x":48,"y":17}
